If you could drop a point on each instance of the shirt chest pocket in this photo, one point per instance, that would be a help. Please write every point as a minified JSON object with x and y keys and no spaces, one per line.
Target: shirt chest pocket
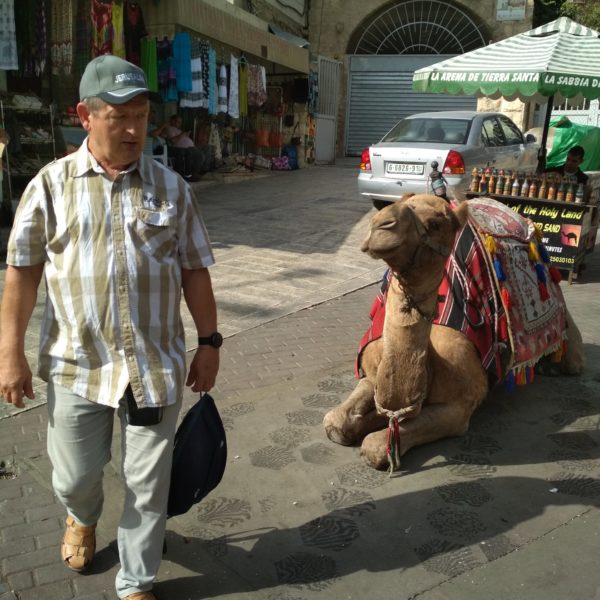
{"x":155,"y":232}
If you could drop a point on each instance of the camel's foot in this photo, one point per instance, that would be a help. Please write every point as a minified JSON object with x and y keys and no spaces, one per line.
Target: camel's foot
{"x":335,"y":424}
{"x":374,"y":450}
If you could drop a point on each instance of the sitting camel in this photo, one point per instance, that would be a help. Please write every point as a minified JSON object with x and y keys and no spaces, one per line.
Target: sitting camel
{"x":428,"y":378}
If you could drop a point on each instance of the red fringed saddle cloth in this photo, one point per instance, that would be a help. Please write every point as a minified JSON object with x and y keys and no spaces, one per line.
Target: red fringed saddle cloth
{"x":497,"y":289}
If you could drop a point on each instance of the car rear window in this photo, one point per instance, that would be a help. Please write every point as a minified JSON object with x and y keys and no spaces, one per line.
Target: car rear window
{"x":448,"y":131}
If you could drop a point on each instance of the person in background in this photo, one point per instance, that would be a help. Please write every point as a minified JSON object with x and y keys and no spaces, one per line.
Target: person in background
{"x":119,"y":239}
{"x":188,"y":160}
{"x":571,"y":168}
{"x":156,"y":132}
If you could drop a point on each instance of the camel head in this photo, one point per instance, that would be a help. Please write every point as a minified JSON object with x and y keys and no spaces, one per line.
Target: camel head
{"x":415,"y":234}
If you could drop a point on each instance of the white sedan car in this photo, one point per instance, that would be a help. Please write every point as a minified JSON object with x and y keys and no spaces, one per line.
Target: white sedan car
{"x":457,"y":140}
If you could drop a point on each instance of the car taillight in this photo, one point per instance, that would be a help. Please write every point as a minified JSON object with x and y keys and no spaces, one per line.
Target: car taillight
{"x":365,"y":160}
{"x":454,"y":165}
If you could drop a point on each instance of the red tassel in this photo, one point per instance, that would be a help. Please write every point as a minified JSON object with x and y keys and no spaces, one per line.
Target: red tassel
{"x":555,"y":274}
{"x":544,"y":295}
{"x":506,"y":300}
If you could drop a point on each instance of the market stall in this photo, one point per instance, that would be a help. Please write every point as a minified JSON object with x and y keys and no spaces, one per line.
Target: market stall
{"x":556,"y":61}
{"x":568,"y":221}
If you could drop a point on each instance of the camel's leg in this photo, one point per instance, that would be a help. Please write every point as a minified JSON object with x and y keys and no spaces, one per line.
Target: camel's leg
{"x":349,"y":422}
{"x":434,"y":422}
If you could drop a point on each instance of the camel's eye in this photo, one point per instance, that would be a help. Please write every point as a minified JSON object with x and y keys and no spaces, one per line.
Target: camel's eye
{"x":434,"y":224}
{"x":388,"y":224}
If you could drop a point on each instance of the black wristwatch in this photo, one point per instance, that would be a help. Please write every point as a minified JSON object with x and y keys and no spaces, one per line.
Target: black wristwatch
{"x":215,"y":340}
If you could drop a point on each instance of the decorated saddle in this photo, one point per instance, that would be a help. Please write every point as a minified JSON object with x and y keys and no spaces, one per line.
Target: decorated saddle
{"x":499,"y":290}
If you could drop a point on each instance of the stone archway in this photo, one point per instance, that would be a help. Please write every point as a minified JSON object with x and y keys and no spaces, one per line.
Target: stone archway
{"x":384,"y":51}
{"x":418,"y":27}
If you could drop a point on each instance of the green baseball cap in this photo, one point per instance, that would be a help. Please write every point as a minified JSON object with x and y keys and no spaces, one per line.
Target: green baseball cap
{"x":113,"y":80}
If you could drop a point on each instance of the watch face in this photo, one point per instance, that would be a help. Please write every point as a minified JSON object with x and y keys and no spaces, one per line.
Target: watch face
{"x":216,"y":340}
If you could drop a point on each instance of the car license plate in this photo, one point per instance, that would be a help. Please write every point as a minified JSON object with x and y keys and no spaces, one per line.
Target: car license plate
{"x":404,"y":167}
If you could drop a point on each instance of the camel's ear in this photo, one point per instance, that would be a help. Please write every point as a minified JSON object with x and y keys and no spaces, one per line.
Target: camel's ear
{"x":407,"y":196}
{"x":456,"y":194}
{"x":461,"y":212}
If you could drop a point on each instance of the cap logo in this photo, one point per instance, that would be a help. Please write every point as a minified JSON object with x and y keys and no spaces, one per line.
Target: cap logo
{"x":130,"y":78}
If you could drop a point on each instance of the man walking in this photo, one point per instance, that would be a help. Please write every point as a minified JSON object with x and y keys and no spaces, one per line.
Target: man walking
{"x":118,"y":237}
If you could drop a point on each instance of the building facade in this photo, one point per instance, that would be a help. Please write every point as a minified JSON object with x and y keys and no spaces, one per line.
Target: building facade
{"x":381,"y":42}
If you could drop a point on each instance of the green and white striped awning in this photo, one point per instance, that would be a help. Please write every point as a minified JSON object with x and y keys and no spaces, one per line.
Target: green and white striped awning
{"x":561,"y":58}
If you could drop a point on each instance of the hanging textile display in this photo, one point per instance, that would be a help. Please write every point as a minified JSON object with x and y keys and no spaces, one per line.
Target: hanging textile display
{"x":214,"y":139}
{"x":182,"y":61}
{"x":135,"y":30}
{"x":101,"y":28}
{"x":83,"y":37}
{"x":257,"y":86}
{"x":204,"y":47}
{"x":167,"y":85}
{"x":243,"y":87}
{"x":61,"y":45}
{"x":212,"y":81}
{"x":149,"y":62}
{"x":8,"y":37}
{"x":195,"y":98}
{"x":118,"y":31}
{"x":222,"y":90}
{"x":31,"y":32}
{"x":233,"y":104}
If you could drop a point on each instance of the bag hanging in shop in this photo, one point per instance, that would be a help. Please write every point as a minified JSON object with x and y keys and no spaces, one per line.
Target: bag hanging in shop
{"x":275,"y":139}
{"x":261,"y":138}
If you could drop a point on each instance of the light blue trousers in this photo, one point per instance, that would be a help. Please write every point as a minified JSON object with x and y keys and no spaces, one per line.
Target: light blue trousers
{"x":79,"y":439}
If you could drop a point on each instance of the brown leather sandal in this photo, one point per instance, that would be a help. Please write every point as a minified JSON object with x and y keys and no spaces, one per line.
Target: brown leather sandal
{"x":78,"y":545}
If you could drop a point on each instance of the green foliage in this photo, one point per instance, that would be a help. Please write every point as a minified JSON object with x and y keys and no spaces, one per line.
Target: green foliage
{"x":587,"y":14}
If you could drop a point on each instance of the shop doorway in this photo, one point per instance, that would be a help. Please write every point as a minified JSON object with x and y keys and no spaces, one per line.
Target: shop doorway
{"x":384,"y":52}
{"x":327,"y":109}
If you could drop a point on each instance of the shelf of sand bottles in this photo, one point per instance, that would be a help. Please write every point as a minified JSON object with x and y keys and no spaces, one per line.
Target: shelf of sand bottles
{"x":558,"y":205}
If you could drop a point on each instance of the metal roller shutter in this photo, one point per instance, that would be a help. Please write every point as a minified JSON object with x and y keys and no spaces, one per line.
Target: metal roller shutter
{"x":380,"y":94}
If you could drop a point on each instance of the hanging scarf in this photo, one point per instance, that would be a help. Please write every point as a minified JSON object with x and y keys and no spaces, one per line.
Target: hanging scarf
{"x":61,"y":46}
{"x":194,"y":99}
{"x":149,"y":62}
{"x":182,"y":61}
{"x":234,"y":103}
{"x":243,"y":87}
{"x":83,"y":37}
{"x":204,"y":48}
{"x":166,"y":72}
{"x":101,"y":28}
{"x":222,"y":90}
{"x":212,"y":81}
{"x":135,"y":30}
{"x":118,"y":40}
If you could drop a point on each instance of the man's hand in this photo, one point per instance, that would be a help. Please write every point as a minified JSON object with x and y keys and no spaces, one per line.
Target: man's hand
{"x":15,"y":379}
{"x":203,"y":369}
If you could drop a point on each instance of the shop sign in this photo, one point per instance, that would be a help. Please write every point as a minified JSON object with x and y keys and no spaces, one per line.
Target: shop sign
{"x":565,"y":227}
{"x":510,"y":10}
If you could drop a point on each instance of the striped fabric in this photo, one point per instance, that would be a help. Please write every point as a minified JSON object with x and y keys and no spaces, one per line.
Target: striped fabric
{"x":560,"y":58}
{"x":113,"y":254}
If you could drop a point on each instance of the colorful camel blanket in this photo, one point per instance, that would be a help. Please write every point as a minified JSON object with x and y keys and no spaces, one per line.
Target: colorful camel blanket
{"x":497,"y":290}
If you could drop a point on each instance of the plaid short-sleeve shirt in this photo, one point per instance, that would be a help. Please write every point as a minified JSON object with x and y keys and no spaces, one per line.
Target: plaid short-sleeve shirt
{"x":113,"y":252}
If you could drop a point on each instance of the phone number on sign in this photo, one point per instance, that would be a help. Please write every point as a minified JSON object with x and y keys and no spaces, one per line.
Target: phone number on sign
{"x":562,"y":259}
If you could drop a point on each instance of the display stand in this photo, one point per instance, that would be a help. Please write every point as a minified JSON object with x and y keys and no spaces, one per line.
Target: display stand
{"x":34,"y":126}
{"x":568,"y":229}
